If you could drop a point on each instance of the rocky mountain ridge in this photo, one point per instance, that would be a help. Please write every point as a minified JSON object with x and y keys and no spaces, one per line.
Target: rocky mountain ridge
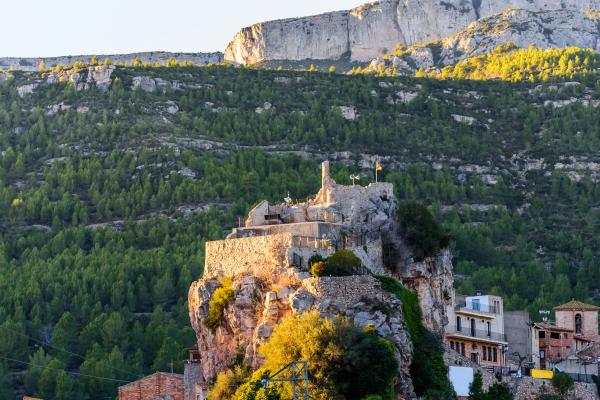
{"x":161,"y":57}
{"x":374,"y":29}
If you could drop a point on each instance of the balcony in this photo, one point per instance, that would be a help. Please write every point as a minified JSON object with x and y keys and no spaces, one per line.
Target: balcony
{"x":463,"y":305}
{"x":466,"y":331}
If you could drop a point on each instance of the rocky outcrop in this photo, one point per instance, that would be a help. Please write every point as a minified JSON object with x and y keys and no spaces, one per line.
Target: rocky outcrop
{"x":84,"y":78}
{"x":151,"y":57}
{"x":371,"y":30}
{"x":260,"y":304}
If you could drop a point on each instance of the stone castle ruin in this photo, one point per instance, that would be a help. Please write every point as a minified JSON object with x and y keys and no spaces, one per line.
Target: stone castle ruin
{"x":339,"y":217}
{"x":268,"y":261}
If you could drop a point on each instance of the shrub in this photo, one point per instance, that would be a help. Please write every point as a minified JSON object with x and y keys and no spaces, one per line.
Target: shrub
{"x":254,"y":390}
{"x":314,"y":258}
{"x":341,"y":263}
{"x":428,"y":371}
{"x":344,"y":361}
{"x":420,"y":230}
{"x":227,"y":382}
{"x":476,"y":387}
{"x":562,"y":382}
{"x":499,"y":391}
{"x":220,"y":300}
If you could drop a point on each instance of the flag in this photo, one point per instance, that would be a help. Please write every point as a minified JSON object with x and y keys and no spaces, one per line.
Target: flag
{"x":378,"y":166}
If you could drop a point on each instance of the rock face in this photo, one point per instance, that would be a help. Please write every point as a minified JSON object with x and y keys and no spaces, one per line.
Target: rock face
{"x":371,"y":30}
{"x":260,"y":304}
{"x":543,"y":29}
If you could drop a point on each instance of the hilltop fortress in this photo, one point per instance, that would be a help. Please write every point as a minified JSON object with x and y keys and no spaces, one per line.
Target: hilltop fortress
{"x":339,"y":217}
{"x":268,"y":260}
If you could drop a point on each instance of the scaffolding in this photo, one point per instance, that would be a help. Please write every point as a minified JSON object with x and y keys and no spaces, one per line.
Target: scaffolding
{"x":298,"y":378}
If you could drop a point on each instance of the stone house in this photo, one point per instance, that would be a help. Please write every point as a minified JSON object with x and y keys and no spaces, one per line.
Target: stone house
{"x":476,"y":330}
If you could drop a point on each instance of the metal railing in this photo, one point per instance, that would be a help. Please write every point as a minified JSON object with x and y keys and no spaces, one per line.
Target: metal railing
{"x":466,"y":330}
{"x":475,"y":306}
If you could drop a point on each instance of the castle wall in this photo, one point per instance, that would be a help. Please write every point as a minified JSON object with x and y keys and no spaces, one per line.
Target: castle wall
{"x":259,"y":255}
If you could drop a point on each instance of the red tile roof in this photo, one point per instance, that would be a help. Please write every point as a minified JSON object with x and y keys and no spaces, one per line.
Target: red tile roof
{"x":577,"y":305}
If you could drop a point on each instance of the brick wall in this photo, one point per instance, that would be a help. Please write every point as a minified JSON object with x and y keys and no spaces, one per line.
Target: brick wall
{"x":159,"y":386}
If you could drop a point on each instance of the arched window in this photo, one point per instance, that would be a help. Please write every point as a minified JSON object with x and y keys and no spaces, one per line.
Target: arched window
{"x":578,"y":324}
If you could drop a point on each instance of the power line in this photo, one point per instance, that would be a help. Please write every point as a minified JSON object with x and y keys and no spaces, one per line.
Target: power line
{"x":66,"y":351}
{"x":70,"y":373}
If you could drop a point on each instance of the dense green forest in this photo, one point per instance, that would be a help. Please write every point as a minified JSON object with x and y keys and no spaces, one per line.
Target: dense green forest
{"x":106,"y":198}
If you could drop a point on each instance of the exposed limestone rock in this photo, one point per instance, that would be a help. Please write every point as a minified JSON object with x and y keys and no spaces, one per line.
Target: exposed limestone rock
{"x":349,"y":112}
{"x":26,"y":89}
{"x":406,"y":97}
{"x":100,"y":75}
{"x":260,"y":304}
{"x":464,"y":119}
{"x":145,"y":83}
{"x":266,"y":107}
{"x":373,"y":29}
{"x":82,"y":79}
{"x":54,"y":108}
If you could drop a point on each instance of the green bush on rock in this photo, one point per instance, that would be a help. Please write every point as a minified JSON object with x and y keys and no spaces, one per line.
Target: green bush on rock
{"x":420,"y":230}
{"x":221,"y":298}
{"x":341,"y":263}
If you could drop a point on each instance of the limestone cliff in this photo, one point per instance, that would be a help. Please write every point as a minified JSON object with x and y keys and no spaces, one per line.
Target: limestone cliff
{"x":373,"y":29}
{"x":522,"y":27}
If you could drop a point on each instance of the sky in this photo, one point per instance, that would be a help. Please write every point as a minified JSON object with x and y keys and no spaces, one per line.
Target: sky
{"x":41,"y":28}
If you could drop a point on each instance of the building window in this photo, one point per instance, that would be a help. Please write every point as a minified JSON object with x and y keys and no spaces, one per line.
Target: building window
{"x":542,"y":334}
{"x":452,"y":345}
{"x":554,"y":335}
{"x":462,"y":349}
{"x":484,"y":353}
{"x":489,"y":353}
{"x":495,"y":354}
{"x":578,"y":324}
{"x":489,"y":329}
{"x":472,"y":327}
{"x":458,"y":324}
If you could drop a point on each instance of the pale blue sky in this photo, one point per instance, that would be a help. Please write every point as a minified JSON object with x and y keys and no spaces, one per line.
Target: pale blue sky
{"x":41,"y":28}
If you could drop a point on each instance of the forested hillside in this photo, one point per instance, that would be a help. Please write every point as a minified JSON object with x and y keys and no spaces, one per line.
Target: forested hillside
{"x":107,"y":198}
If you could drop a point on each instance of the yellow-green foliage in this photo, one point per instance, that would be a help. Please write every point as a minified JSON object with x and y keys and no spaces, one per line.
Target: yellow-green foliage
{"x":227,"y":383}
{"x":509,"y":63}
{"x":344,"y":361}
{"x":254,"y":390}
{"x":220,"y":300}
